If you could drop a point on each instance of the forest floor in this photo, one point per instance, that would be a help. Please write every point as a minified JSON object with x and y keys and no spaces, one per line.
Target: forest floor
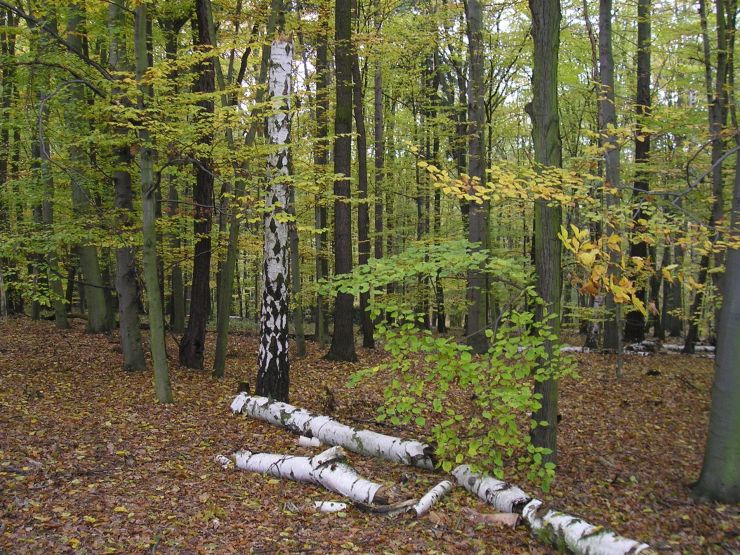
{"x":90,"y":463}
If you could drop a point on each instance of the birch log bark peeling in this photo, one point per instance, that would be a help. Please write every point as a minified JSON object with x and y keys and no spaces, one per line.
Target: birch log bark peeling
{"x":332,"y":432}
{"x":502,"y":496}
{"x":326,"y":469}
{"x":273,"y":373}
{"x":576,"y":535}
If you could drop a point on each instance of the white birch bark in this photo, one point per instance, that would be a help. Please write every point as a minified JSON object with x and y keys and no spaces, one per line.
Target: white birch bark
{"x":504,"y":497}
{"x":576,"y":535}
{"x":432,"y":497}
{"x":304,"y":441}
{"x":326,"y":469}
{"x":273,"y":373}
{"x":331,"y":432}
{"x":329,"y":506}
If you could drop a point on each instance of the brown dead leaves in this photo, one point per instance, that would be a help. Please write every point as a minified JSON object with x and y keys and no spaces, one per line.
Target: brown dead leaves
{"x":89,"y":463}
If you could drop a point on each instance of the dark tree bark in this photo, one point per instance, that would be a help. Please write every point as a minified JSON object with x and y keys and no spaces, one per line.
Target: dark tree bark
{"x":379,"y":159}
{"x":363,"y":209}
{"x":126,"y":282}
{"x":343,"y":340}
{"x":634,"y":323}
{"x":478,"y":213}
{"x":547,"y":219}
{"x":193,"y":342}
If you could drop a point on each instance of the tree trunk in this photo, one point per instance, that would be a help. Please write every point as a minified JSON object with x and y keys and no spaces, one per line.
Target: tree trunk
{"x":343,"y":340}
{"x":634,"y":325}
{"x":715,"y":89}
{"x":320,"y":160}
{"x":363,"y":209}
{"x":126,"y":283}
{"x":607,"y":121}
{"x":273,"y":373}
{"x":720,"y":473}
{"x":97,"y":321}
{"x":547,"y":219}
{"x":192,"y":345}
{"x":295,"y":279}
{"x":149,"y":256}
{"x":478,"y":213}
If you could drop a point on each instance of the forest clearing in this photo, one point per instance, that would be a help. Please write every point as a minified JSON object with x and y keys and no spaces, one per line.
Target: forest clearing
{"x":398,"y":276}
{"x":91,"y":464}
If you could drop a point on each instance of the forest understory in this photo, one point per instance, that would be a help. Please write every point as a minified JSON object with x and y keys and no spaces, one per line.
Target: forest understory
{"x":90,"y":463}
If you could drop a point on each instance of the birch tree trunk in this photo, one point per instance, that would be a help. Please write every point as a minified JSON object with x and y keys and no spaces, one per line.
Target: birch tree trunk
{"x":273,"y":373}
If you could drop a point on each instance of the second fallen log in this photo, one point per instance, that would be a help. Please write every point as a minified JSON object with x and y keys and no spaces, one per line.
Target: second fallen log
{"x":327,"y":469}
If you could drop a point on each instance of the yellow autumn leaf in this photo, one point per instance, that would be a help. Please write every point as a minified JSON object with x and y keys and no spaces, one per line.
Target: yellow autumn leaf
{"x":120,"y":509}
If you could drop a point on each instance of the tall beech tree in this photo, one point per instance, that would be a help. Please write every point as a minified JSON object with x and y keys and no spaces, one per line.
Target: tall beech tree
{"x":634,"y":322}
{"x":547,"y":219}
{"x":273,"y":374}
{"x":192,"y":345}
{"x":715,"y":82}
{"x":477,"y":212}
{"x":343,"y":340}
{"x":363,"y":209}
{"x":720,"y":473}
{"x":82,"y":197}
{"x":610,"y":147}
{"x":147,"y":155}
{"x":127,"y":286}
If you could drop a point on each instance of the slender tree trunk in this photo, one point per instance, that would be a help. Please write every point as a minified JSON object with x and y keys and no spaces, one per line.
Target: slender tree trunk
{"x":478,"y":213}
{"x":97,"y":320}
{"x":363,"y":209}
{"x":273,"y":374}
{"x":343,"y":340}
{"x":547,"y":219}
{"x":321,"y":161}
{"x":634,"y":325}
{"x":295,"y":279}
{"x":607,"y":121}
{"x":379,"y":149}
{"x":149,"y":255}
{"x":126,"y":282}
{"x":192,"y":346}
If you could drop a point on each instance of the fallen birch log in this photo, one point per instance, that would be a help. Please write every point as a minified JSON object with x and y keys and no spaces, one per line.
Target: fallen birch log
{"x":577,"y":535}
{"x":504,"y":497}
{"x":331,"y":432}
{"x":431,"y":498}
{"x":551,"y":526}
{"x":326,"y":469}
